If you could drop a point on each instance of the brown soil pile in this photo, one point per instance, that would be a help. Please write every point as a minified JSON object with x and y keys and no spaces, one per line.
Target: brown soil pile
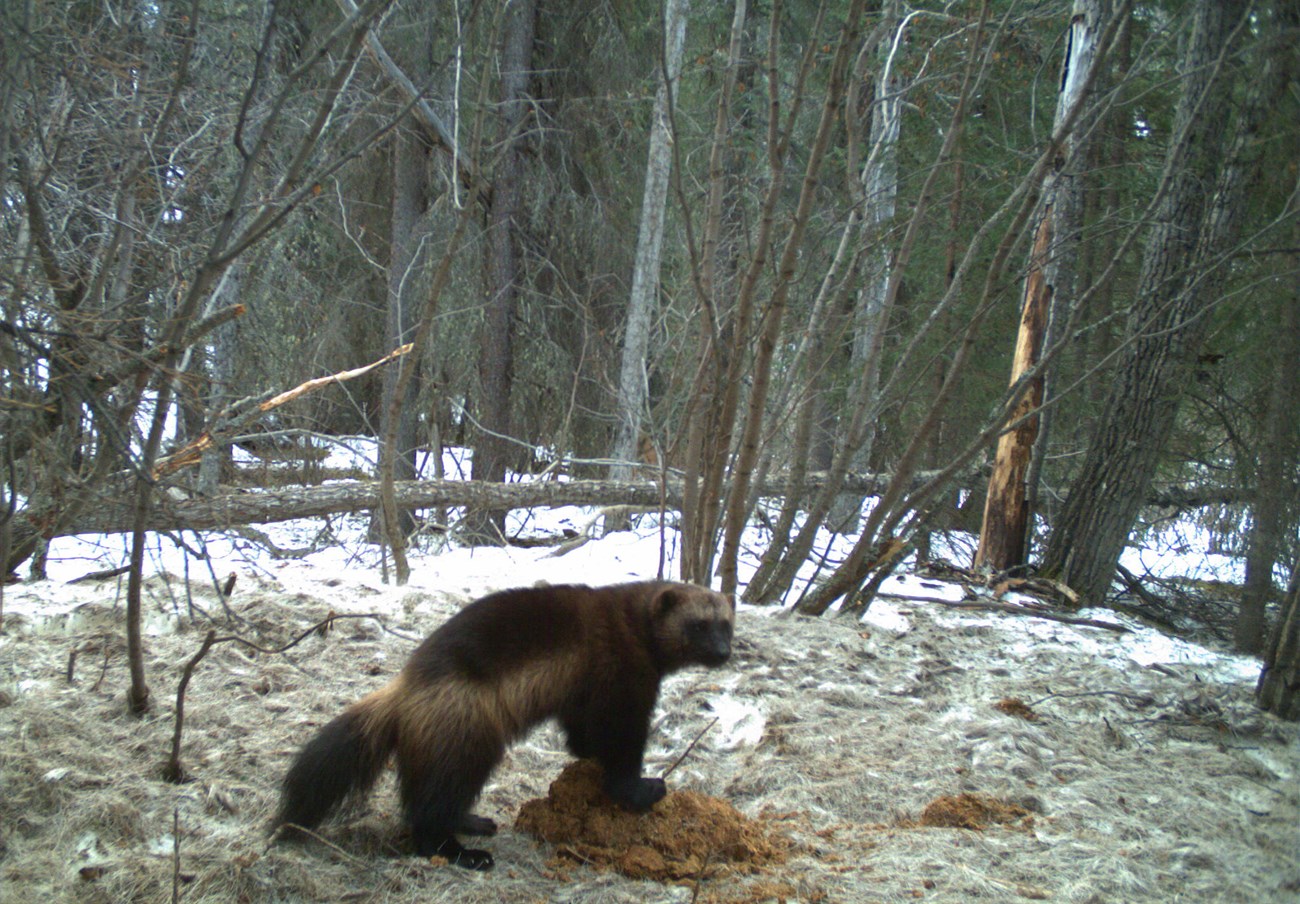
{"x":1014,"y":706}
{"x":686,"y":836}
{"x":969,"y":811}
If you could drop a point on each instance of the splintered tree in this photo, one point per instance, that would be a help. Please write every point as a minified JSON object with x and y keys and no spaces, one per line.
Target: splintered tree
{"x":1048,"y":285}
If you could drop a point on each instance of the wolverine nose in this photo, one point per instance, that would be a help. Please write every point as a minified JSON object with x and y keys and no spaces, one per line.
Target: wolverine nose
{"x":720,"y":652}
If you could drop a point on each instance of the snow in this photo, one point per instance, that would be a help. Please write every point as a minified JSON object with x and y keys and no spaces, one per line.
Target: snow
{"x":853,"y":725}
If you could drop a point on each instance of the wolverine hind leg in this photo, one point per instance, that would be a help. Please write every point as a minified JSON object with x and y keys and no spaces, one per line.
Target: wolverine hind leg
{"x":439,"y":783}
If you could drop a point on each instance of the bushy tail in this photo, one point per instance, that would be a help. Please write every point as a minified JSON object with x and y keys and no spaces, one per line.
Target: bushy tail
{"x":345,"y":757}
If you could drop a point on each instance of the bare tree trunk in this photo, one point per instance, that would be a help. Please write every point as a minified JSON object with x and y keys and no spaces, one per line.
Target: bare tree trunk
{"x":1278,"y":690}
{"x":708,"y":429}
{"x":221,"y":373}
{"x":504,"y":279}
{"x":875,"y":303}
{"x":738,"y":498}
{"x":408,"y":238}
{"x":1181,"y":274}
{"x":645,"y":273}
{"x":1274,"y":491}
{"x":1049,"y":287}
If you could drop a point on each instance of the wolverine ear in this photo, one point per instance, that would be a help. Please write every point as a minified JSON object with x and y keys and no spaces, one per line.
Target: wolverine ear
{"x":668,"y":599}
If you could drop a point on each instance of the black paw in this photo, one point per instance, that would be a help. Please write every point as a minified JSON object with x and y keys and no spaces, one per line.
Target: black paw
{"x":471,"y":859}
{"x":638,"y":794}
{"x":476,"y":825}
{"x":455,"y":853}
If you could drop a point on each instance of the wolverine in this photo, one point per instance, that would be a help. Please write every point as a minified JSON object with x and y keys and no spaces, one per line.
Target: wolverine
{"x":589,"y":657}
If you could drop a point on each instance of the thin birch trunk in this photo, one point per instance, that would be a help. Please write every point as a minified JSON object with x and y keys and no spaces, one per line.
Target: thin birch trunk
{"x":880,"y":198}
{"x":645,"y":274}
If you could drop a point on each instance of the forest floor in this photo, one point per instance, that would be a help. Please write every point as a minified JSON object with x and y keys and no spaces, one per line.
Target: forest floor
{"x":923,"y":754}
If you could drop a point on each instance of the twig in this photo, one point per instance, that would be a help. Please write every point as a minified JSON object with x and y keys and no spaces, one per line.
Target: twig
{"x":1017,"y":610}
{"x":669,"y":771}
{"x":1143,"y":699}
{"x":174,"y":772}
{"x":176,"y":855}
{"x":101,"y":575}
{"x":292,"y":829}
{"x":103,"y":672}
{"x":699,"y":877}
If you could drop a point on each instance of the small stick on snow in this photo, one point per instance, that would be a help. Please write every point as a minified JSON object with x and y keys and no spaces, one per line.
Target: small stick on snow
{"x":687,"y":752}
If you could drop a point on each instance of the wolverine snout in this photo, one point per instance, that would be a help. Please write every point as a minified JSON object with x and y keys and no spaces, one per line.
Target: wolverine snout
{"x":717,"y":650}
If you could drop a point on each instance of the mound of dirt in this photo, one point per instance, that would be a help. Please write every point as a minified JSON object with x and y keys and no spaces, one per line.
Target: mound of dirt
{"x":1014,"y":706}
{"x":686,"y":836}
{"x":970,"y":811}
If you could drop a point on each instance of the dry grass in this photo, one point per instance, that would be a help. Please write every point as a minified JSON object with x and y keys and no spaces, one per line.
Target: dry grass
{"x":1130,"y":784}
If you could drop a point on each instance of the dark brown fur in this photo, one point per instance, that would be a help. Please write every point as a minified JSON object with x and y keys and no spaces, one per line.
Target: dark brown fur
{"x":591,"y":657}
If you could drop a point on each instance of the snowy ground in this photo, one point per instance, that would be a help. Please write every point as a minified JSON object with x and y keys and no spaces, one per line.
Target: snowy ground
{"x":1147,"y":773}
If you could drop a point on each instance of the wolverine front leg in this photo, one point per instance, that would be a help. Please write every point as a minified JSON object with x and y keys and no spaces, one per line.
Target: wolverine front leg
{"x":620,"y":751}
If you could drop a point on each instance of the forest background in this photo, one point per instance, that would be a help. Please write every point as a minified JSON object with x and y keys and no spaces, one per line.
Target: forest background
{"x":1026,"y":269}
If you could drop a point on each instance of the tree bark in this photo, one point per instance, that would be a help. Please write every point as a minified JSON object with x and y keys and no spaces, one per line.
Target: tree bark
{"x":1193,"y":224}
{"x":1005,"y":530}
{"x":1278,"y":690}
{"x":496,"y":360}
{"x":108,"y":512}
{"x":221,"y":375}
{"x":875,"y":303}
{"x":1274,"y":491}
{"x":407,"y":254}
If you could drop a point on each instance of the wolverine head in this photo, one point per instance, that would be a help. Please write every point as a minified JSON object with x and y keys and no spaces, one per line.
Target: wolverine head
{"x":693,"y":625}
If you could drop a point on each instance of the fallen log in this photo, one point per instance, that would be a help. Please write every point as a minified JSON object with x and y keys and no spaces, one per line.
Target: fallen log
{"x":108,"y":510}
{"x":232,"y":509}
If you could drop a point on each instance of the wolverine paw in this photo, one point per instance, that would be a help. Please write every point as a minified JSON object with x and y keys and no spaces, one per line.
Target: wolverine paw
{"x":455,"y":853}
{"x":472,"y":859}
{"x":471,"y":824}
{"x":638,"y":794}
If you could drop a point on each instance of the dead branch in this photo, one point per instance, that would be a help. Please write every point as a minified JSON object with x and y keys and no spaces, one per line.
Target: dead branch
{"x":101,"y":575}
{"x":687,"y":752}
{"x":173,"y":771}
{"x":1033,"y":613}
{"x":231,"y":421}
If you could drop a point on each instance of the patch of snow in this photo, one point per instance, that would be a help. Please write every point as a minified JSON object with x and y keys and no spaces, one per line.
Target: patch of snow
{"x":740,"y":723}
{"x":888,"y":616}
